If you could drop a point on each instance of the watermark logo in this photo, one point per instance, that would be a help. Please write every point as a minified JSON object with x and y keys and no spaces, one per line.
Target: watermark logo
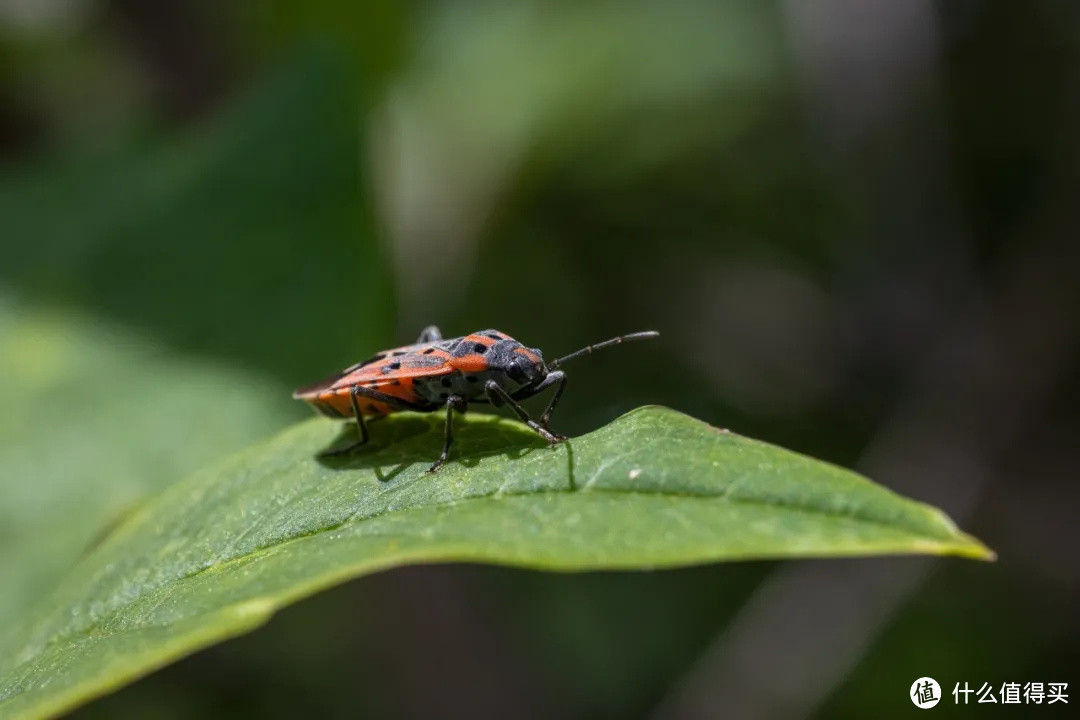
{"x":925,"y":693}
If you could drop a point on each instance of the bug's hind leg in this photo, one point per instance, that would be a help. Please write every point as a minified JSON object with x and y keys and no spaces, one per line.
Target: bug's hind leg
{"x":361,"y":429}
{"x":429,"y":334}
{"x":454,"y":402}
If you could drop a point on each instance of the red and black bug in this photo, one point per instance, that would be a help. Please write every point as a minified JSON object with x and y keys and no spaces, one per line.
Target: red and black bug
{"x":484,"y":367}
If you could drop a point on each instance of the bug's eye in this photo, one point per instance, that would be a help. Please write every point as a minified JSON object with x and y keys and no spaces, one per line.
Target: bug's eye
{"x":516,"y":372}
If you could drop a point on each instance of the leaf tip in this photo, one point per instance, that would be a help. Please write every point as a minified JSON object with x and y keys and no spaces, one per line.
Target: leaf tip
{"x":963,"y":545}
{"x":976,"y":550}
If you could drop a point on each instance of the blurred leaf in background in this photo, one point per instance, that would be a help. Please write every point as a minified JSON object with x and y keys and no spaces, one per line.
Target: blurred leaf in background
{"x":567,"y":173}
{"x":245,"y":237}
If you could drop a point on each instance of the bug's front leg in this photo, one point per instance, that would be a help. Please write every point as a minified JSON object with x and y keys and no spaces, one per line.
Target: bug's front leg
{"x":453,"y":402}
{"x":556,"y":378}
{"x":560,"y":385}
{"x":497,"y":396}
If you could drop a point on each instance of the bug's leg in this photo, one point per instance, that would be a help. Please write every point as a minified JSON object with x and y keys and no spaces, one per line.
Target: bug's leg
{"x":497,"y":396}
{"x":554,"y":378}
{"x":360,"y":426}
{"x":429,"y":334}
{"x":359,"y":391}
{"x":454,"y":402}
{"x":545,"y":419}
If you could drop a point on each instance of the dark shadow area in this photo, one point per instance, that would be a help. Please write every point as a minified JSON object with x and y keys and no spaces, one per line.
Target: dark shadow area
{"x":402,"y":440}
{"x":571,"y":481}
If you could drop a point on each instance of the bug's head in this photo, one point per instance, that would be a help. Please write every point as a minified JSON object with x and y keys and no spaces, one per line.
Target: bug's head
{"x":521,"y":364}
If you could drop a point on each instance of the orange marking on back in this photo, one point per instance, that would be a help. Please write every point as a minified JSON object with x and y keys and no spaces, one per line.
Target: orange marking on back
{"x":469,"y":363}
{"x":527,"y":353}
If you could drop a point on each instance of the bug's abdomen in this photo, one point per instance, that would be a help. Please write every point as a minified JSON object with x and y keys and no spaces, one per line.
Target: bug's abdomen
{"x":470,"y":386}
{"x":337,"y":405}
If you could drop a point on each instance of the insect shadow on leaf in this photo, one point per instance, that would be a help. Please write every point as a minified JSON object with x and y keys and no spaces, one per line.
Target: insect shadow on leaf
{"x":405,"y":439}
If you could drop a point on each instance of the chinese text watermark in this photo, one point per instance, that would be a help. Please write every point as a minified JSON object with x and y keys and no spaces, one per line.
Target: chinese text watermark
{"x":926,"y":693}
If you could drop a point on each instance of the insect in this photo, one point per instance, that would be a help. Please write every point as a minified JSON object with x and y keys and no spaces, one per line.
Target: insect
{"x":485,"y":367}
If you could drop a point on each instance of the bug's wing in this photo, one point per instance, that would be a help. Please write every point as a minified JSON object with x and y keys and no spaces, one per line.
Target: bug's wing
{"x":409,"y":361}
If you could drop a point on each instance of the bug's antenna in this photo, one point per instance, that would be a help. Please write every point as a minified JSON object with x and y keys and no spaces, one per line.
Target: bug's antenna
{"x":587,"y":350}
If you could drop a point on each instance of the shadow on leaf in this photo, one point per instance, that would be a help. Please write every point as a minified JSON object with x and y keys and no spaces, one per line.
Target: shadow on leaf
{"x":401,"y":440}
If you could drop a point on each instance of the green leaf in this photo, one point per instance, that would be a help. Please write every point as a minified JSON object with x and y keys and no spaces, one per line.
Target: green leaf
{"x":97,"y":420}
{"x":216,"y":555}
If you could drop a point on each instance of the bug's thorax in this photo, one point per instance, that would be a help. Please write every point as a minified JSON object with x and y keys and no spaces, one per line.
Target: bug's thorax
{"x":479,"y":358}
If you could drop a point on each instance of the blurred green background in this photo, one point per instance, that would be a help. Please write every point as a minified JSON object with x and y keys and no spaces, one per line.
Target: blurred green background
{"x":854,"y":224}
